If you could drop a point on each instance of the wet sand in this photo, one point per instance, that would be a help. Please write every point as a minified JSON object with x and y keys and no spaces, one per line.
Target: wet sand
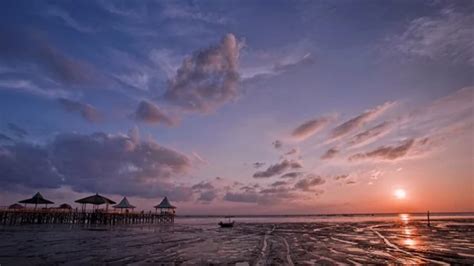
{"x":380,"y":242}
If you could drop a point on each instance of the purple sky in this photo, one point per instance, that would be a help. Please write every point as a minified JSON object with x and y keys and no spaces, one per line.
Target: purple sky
{"x":239,"y":107}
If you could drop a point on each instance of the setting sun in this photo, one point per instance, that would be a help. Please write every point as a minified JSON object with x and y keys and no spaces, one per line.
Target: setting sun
{"x":400,"y":193}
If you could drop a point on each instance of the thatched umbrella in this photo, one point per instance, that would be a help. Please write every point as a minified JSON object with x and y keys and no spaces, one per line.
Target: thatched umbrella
{"x":95,"y":200}
{"x":165,"y":206}
{"x":37,"y":199}
{"x":15,"y":206}
{"x":124,"y":204}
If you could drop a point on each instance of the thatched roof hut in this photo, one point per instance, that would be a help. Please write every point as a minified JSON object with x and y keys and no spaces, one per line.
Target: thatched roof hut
{"x":124,"y":204}
{"x":95,"y":200}
{"x":165,"y":206}
{"x":36,"y":199}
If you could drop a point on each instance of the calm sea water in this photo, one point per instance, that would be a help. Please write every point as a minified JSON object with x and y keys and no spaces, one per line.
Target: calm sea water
{"x":206,"y":220}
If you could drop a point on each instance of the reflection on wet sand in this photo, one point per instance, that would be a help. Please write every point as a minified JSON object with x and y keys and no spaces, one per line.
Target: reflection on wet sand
{"x":403,"y":241}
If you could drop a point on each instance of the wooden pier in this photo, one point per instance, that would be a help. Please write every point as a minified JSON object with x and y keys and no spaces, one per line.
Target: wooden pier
{"x":52,"y":216}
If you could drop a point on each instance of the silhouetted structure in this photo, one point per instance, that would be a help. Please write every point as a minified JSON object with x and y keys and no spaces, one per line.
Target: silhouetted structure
{"x":165,"y":207}
{"x":124,"y":205}
{"x":37,"y":199}
{"x":95,"y":201}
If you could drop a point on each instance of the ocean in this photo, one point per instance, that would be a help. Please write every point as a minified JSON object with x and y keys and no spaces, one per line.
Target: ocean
{"x":254,"y":240}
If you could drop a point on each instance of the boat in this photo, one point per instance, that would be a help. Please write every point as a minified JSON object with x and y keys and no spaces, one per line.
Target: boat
{"x":227,"y":224}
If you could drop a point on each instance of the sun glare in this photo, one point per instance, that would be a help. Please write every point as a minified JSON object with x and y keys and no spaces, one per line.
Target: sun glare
{"x":400,"y":193}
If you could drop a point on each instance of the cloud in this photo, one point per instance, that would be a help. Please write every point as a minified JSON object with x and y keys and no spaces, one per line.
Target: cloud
{"x":329,"y":154}
{"x":386,"y":152}
{"x":207,"y":79}
{"x":148,"y":112}
{"x":278,"y":183}
{"x":292,"y":175}
{"x":309,"y":182}
{"x":17,"y":130}
{"x":87,"y":111}
{"x":203,"y":186}
{"x":292,"y":151}
{"x":309,"y":128}
{"x":338,"y":177}
{"x":21,"y":46}
{"x":278,"y":169}
{"x":245,"y":197}
{"x":4,"y":137}
{"x":447,"y":35}
{"x":359,"y":120}
{"x":277,"y":144}
{"x":258,"y":164}
{"x":69,"y":21}
{"x":206,"y":191}
{"x":99,"y":162}
{"x":262,"y":73}
{"x":370,"y":134}
{"x":207,"y":196}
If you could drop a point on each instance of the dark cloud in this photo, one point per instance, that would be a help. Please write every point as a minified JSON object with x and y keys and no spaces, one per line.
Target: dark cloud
{"x":258,"y":164}
{"x":246,"y":197}
{"x":99,"y":162}
{"x":87,"y":111}
{"x":277,"y":144}
{"x":150,"y":113}
{"x":278,"y":183}
{"x":350,"y":182}
{"x":27,"y":165}
{"x":370,"y":133}
{"x":4,"y":137}
{"x":207,"y":196}
{"x":278,"y":169}
{"x":207,"y":79}
{"x":292,"y":175}
{"x":309,"y":182}
{"x":20,"y":46}
{"x":340,"y":177}
{"x":18,"y":131}
{"x":359,"y":120}
{"x":292,"y":151}
{"x":386,"y":152}
{"x":309,"y":128}
{"x":203,"y":186}
{"x":329,"y":154}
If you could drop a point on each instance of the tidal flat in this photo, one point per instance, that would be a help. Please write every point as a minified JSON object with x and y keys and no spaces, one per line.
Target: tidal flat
{"x":398,"y":241}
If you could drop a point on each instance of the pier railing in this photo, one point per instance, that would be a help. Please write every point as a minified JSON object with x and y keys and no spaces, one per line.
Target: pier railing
{"x":64,"y":216}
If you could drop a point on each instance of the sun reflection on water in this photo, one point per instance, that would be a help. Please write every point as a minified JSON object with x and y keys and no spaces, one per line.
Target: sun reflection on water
{"x":404,"y":217}
{"x":408,"y":232}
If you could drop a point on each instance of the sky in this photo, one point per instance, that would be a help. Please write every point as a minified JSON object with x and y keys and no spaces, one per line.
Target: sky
{"x":240,"y":107}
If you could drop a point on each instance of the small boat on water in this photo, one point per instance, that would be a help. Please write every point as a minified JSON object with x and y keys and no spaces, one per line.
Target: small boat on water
{"x":227,"y":224}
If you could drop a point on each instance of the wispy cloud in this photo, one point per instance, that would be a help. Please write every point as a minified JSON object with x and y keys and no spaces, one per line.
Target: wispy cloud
{"x":358,"y":121}
{"x":87,"y":111}
{"x":309,"y":128}
{"x":447,"y":35}
{"x":278,"y":168}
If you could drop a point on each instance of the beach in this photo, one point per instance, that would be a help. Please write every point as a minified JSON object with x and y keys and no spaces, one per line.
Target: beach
{"x":252,"y":241}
